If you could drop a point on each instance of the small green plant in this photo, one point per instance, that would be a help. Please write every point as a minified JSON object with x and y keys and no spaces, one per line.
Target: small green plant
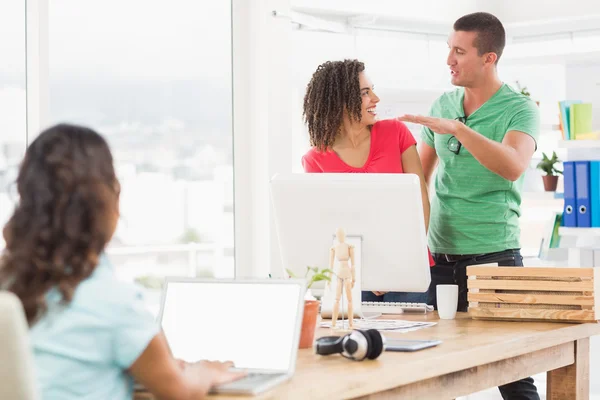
{"x":313,"y":274}
{"x":548,"y":165}
{"x":150,"y":281}
{"x":523,"y":89}
{"x":190,"y":236}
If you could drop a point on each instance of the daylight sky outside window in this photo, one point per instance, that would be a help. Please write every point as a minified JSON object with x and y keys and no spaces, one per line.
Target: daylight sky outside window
{"x":12,"y":102}
{"x":154,"y":77}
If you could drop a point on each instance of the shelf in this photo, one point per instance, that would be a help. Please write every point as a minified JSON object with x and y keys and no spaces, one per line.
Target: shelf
{"x":579,"y":144}
{"x":542,"y":195}
{"x":581,"y":150}
{"x":564,"y":231}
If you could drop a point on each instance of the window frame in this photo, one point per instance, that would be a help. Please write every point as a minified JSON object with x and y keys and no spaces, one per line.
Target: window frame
{"x":260,"y":88}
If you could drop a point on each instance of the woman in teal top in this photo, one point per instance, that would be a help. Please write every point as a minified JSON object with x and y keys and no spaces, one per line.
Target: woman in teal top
{"x":91,"y":334}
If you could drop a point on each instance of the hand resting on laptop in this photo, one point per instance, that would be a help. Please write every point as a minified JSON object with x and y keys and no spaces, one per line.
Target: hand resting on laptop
{"x":217,"y":372}
{"x":167,"y":377}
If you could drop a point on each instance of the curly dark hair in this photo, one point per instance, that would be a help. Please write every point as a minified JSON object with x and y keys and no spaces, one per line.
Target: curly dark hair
{"x":333,"y":89}
{"x":65,"y":216}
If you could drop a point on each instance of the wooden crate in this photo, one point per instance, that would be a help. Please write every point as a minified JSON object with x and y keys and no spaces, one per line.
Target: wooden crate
{"x":533,"y":293}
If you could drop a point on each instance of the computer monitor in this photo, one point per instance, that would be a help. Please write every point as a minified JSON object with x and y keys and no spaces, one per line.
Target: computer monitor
{"x":382,"y":213}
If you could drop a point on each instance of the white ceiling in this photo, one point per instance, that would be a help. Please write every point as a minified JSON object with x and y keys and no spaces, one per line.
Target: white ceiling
{"x":527,"y":11}
{"x":520,"y":17}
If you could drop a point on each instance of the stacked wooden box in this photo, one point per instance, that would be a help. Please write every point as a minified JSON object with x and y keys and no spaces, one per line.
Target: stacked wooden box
{"x":533,"y":293}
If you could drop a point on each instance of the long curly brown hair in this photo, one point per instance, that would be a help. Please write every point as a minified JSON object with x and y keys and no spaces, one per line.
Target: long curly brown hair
{"x":65,"y":216}
{"x":333,"y":89}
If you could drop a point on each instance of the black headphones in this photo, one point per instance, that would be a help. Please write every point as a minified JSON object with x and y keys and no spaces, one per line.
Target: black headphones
{"x":357,"y":345}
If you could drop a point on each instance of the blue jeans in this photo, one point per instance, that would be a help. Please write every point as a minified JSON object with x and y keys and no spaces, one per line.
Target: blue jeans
{"x":455,"y":273}
{"x":400,"y":297}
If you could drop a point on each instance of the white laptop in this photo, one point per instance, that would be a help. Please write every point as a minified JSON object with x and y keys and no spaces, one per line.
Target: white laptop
{"x":254,"y":323}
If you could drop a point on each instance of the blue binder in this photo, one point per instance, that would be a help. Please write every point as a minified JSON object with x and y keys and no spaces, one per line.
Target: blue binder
{"x":582,"y":194}
{"x":569,"y":210}
{"x":595,"y":193}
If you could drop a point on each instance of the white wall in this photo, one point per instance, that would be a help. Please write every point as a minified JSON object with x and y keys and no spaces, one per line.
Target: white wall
{"x":262,"y":126}
{"x":309,"y":50}
{"x":583,"y":83}
{"x":519,"y":11}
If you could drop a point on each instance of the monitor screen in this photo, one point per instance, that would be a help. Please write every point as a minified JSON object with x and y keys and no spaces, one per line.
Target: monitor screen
{"x":381,"y":214}
{"x":251,"y":324}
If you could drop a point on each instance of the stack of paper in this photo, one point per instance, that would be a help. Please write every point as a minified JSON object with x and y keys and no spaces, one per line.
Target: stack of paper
{"x":580,"y":120}
{"x":565,"y":110}
{"x":395,"y":325}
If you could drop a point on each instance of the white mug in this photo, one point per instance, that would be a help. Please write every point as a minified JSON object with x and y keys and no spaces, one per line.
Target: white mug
{"x":447,"y":301}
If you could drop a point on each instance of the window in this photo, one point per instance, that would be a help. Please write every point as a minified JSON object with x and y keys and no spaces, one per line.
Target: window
{"x":154,"y":78}
{"x":13,"y":104}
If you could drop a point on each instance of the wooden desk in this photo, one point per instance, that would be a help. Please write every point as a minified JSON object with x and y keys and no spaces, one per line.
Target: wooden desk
{"x":474,"y":355}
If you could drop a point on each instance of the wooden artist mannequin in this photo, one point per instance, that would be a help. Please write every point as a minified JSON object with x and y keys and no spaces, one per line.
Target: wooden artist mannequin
{"x":345,"y":275}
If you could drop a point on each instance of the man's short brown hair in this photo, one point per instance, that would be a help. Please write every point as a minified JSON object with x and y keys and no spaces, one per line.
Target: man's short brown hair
{"x":491,"y":36}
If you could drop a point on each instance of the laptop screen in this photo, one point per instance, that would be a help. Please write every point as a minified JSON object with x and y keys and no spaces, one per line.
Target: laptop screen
{"x":251,"y":324}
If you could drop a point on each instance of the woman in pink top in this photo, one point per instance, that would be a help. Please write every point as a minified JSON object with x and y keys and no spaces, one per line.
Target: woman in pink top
{"x":340,"y":109}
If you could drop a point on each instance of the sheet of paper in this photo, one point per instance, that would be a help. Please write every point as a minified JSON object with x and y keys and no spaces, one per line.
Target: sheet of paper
{"x":382,"y":324}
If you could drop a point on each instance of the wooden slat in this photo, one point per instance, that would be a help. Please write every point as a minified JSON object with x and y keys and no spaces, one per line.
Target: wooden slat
{"x":531,"y":285}
{"x":526,"y":298}
{"x":472,"y":380}
{"x":520,"y":314}
{"x":530,"y":271}
{"x":533,"y":293}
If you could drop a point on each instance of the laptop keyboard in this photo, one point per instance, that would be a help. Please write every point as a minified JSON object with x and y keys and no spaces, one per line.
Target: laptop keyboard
{"x":250,"y":381}
{"x":394,"y":308}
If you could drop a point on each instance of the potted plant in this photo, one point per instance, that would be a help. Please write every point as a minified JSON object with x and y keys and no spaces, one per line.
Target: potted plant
{"x":523,"y":90}
{"x":548,"y":165}
{"x":311,"y":305}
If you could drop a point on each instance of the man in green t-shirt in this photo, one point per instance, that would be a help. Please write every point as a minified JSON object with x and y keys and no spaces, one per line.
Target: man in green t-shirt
{"x":482,"y":136}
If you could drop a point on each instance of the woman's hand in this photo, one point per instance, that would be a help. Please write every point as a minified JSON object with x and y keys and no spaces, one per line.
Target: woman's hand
{"x":169,"y":378}
{"x":214,"y":372}
{"x":379,"y":293}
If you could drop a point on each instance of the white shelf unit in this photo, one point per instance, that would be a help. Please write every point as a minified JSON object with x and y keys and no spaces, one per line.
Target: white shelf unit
{"x":542,"y":196}
{"x":567,"y":231}
{"x":579,"y":144}
{"x":581,"y":150}
{"x":579,"y":238}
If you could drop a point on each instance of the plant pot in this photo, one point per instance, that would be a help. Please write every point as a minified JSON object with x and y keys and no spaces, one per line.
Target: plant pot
{"x":550,"y":182}
{"x":309,"y":323}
